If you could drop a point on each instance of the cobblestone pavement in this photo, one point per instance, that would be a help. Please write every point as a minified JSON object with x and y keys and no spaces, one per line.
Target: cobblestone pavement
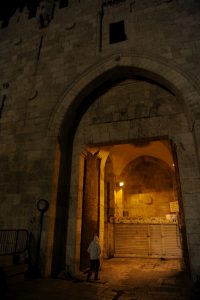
{"x":122,"y":279}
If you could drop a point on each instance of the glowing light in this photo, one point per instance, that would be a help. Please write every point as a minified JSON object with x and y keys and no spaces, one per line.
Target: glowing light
{"x":121,"y":183}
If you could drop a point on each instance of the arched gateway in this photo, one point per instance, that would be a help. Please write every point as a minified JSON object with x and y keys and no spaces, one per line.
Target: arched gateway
{"x":127,"y":110}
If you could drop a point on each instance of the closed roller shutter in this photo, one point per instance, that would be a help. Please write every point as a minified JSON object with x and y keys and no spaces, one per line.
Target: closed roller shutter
{"x":155,"y":240}
{"x":172,"y":244}
{"x":147,"y":240}
{"x":131,"y":240}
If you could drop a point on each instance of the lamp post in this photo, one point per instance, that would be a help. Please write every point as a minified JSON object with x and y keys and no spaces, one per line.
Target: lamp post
{"x":42,"y":206}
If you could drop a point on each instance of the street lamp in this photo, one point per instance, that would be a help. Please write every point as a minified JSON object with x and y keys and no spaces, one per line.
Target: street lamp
{"x":42,"y":206}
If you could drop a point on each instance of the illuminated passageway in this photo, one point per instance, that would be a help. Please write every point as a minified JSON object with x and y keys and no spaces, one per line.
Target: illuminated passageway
{"x":131,"y":197}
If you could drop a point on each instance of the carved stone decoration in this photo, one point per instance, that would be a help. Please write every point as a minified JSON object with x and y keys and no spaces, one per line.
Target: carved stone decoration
{"x":45,"y":13}
{"x":34,"y":95}
{"x":70,"y":26}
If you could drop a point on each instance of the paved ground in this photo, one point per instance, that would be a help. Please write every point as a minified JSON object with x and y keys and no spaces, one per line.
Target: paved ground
{"x":123,"y":279}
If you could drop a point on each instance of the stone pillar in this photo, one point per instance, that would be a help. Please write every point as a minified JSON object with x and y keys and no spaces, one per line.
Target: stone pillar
{"x":190,"y":190}
{"x":90,"y":211}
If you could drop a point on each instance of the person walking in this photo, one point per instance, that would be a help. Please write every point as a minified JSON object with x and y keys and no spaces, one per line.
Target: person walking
{"x":94,"y":251}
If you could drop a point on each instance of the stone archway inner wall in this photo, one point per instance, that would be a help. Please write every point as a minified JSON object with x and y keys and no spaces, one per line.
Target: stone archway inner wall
{"x":102,"y":123}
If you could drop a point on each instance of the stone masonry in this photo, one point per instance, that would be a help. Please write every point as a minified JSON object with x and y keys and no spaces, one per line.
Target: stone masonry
{"x":50,"y":78}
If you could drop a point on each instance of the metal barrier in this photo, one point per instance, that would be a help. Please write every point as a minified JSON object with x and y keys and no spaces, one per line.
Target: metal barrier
{"x":13,"y":241}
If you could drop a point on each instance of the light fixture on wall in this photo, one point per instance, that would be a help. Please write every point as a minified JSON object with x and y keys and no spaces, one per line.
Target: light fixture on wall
{"x":42,"y":205}
{"x":120,"y":184}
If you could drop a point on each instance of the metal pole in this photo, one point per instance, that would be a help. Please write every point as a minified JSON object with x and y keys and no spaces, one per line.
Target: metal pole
{"x":37,"y":269}
{"x":42,"y":206}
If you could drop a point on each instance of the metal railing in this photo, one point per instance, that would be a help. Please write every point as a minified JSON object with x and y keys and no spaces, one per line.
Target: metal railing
{"x":13,"y":241}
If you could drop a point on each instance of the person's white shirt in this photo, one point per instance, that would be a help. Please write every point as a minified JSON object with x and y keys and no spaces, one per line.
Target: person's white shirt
{"x":94,"y":248}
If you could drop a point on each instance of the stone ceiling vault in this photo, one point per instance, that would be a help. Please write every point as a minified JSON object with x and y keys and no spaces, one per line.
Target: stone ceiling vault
{"x":122,"y":154}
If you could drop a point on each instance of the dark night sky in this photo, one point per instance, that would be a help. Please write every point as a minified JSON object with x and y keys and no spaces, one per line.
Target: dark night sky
{"x":8,"y":7}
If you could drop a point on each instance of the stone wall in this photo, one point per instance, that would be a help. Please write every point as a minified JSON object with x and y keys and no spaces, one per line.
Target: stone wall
{"x":148,"y":189}
{"x":46,"y":70}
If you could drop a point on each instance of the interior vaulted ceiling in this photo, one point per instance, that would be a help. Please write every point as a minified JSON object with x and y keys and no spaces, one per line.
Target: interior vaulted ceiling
{"x":122,"y":154}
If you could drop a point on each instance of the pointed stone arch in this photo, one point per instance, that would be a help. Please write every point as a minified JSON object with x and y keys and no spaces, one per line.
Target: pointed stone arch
{"x":81,"y":92}
{"x":80,"y":95}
